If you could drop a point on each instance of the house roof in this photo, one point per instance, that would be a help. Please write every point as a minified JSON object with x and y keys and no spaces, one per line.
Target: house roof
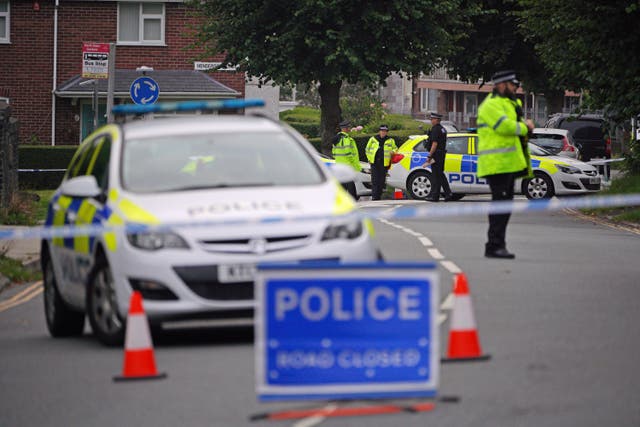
{"x":172,"y":84}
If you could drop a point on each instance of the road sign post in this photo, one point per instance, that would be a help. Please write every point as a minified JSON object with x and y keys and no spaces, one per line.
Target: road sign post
{"x":331,"y":331}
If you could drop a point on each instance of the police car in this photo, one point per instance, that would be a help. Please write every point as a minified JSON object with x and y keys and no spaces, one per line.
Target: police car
{"x":553,"y":175}
{"x":363,"y":178}
{"x":246,"y":173}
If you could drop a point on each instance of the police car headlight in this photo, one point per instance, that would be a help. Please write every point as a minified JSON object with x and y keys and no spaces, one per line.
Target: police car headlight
{"x":153,"y":241}
{"x":345,"y":230}
{"x":568,"y":169}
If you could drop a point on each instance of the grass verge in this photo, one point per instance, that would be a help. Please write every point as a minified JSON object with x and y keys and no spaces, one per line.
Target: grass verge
{"x":628,"y":184}
{"x":16,"y":272}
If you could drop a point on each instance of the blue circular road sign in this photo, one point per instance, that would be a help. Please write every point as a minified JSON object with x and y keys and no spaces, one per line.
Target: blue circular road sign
{"x":144,"y":90}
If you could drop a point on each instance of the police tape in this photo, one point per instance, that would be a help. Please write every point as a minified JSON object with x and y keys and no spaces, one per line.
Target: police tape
{"x":404,"y":212}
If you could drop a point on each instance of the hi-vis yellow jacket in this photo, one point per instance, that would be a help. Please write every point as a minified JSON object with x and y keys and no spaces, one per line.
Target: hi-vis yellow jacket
{"x":499,"y":132}
{"x":374,"y":144}
{"x":345,"y":151}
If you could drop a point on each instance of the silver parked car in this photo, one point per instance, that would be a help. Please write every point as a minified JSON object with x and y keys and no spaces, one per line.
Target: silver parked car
{"x":557,"y":141}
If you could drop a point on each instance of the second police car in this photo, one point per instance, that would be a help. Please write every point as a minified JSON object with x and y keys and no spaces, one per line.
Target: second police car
{"x":553,"y":175}
{"x":247,"y":173}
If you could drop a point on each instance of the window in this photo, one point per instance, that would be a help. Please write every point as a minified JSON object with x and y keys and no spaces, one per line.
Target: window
{"x":428,"y":99}
{"x":458,"y":145}
{"x":141,"y":23}
{"x":100,"y":161}
{"x":4,"y":21}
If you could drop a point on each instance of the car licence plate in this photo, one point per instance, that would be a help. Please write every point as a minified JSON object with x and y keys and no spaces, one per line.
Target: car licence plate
{"x":594,"y":180}
{"x":233,"y":273}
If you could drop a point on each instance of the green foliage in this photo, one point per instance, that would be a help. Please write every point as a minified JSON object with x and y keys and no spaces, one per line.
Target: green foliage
{"x":293,"y":41}
{"x":308,"y":130}
{"x":591,"y":46}
{"x":16,"y":272}
{"x":301,"y":115}
{"x":631,"y":163}
{"x":43,"y":157}
{"x":626,"y":184}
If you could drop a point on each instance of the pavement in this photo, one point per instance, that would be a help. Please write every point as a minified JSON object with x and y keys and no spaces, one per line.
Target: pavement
{"x":26,"y":251}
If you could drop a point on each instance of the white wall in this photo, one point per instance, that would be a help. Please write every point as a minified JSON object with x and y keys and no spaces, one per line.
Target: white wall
{"x":270,"y":94}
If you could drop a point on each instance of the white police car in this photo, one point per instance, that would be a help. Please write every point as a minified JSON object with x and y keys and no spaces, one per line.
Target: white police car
{"x":553,"y":175}
{"x":247,"y":173}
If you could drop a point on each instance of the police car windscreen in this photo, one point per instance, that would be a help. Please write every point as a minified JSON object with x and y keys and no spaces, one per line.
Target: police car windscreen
{"x":536,"y":150}
{"x":216,"y":160}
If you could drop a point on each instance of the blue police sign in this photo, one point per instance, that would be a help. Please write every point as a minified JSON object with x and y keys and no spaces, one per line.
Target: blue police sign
{"x":144,"y":90}
{"x":335,"y":331}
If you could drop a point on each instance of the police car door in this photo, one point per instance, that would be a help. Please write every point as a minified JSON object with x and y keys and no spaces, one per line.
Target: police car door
{"x":479,"y":185}
{"x":456,"y":162}
{"x":72,"y":255}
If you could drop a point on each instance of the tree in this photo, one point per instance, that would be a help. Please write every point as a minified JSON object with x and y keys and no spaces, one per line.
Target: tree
{"x":592,"y":46}
{"x":497,"y":41}
{"x":330,"y":41}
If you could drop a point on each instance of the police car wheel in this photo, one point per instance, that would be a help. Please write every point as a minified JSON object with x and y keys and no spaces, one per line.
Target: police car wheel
{"x":102,"y":306}
{"x":62,"y":321}
{"x":419,"y":185}
{"x":538,"y":187}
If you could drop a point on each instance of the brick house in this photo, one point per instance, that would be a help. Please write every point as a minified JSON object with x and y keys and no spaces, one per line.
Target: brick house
{"x":154,"y":34}
{"x":457,"y":100}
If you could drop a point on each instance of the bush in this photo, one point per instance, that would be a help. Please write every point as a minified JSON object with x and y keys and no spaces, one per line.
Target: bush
{"x":631,"y":163}
{"x":306,"y":129}
{"x":301,"y":115}
{"x":43,"y":157}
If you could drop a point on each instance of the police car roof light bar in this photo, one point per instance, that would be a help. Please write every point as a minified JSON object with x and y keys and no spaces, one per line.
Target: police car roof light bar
{"x":169,"y":107}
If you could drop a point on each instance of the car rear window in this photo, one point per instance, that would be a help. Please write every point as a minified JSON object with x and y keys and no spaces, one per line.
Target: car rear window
{"x":583,"y":129}
{"x":547,"y":141}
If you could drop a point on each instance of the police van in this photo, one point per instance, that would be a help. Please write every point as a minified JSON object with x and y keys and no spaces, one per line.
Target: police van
{"x":184,"y":208}
{"x":553,"y":175}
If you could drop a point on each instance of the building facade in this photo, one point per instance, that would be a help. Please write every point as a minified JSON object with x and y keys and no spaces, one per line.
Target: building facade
{"x":41,"y":56}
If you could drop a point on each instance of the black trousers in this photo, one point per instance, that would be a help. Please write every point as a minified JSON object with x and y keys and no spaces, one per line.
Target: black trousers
{"x":351,"y":188}
{"x":378,"y":180}
{"x":438,"y":178}
{"x":501,"y":189}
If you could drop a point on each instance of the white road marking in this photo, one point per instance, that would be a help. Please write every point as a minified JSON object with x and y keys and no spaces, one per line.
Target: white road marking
{"x":435,"y":253}
{"x":447,"y":304}
{"x":441,"y":318}
{"x":425,"y":241}
{"x":316,"y":419}
{"x":451,"y":266}
{"x":414,"y":233}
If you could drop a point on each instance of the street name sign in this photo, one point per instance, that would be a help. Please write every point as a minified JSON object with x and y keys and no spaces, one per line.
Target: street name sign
{"x":95,"y":60}
{"x":144,"y":90}
{"x":346,"y":331}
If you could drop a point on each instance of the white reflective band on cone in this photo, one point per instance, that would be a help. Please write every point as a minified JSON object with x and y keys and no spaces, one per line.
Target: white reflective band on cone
{"x":462,"y":318}
{"x":138,"y":335}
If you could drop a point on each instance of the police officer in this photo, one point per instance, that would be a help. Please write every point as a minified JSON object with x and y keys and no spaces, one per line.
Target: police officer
{"x":503,"y":152}
{"x":437,"y":153}
{"x":379,"y":150}
{"x":345,"y":151}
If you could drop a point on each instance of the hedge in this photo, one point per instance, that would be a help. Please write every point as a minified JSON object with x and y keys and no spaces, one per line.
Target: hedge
{"x":43,"y":157}
{"x":308,"y":129}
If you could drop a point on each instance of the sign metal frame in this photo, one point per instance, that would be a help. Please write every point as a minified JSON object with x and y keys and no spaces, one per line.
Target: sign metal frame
{"x":270,"y":277}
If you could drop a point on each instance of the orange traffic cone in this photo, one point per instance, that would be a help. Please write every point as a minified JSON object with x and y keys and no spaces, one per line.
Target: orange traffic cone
{"x":398,"y":194}
{"x":464,"y":342}
{"x":139,"y":360}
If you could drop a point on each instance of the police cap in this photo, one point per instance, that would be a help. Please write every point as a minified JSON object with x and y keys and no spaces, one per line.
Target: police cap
{"x":345,"y":124}
{"x":383,"y":127}
{"x":435,"y":116}
{"x":505,"y":76}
